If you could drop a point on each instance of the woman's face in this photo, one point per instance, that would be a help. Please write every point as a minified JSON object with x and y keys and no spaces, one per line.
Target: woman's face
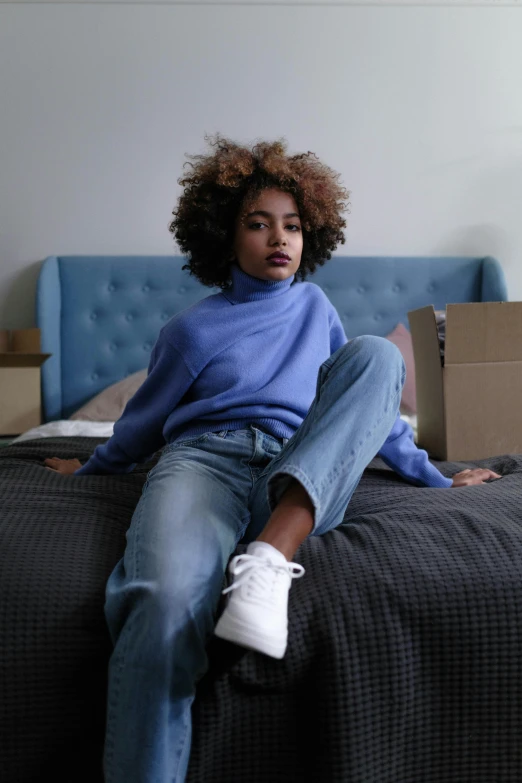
{"x":270,"y":225}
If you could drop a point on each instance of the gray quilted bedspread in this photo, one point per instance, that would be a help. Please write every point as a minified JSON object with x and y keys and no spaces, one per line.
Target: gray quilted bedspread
{"x":404,"y":662}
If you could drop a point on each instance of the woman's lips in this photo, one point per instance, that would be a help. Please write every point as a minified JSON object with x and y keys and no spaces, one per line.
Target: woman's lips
{"x":279,"y":261}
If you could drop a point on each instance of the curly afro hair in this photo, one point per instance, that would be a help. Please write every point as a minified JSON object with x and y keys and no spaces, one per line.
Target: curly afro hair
{"x":229,"y":180}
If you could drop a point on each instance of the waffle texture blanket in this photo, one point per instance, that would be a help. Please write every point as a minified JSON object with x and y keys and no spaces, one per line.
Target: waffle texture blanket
{"x":404,"y":661}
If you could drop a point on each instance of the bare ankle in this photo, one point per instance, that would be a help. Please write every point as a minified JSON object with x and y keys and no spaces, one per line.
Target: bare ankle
{"x":291,"y":521}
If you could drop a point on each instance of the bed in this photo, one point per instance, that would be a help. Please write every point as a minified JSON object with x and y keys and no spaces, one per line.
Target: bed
{"x":404,"y":661}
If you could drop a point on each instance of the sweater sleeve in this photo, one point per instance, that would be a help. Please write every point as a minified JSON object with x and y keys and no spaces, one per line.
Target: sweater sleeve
{"x":138,"y":433}
{"x":401,"y":454}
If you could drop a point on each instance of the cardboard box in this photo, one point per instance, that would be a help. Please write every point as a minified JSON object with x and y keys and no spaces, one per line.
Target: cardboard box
{"x":469,"y":408}
{"x":20,"y":396}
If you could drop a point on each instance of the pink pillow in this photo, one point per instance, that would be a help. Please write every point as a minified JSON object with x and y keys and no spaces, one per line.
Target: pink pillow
{"x":401,"y":337}
{"x":108,"y":405}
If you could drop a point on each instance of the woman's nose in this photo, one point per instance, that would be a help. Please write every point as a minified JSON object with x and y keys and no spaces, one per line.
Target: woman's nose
{"x":278,"y":237}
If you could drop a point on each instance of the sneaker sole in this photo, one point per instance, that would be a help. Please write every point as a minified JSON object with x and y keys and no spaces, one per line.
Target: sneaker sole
{"x":230,"y":629}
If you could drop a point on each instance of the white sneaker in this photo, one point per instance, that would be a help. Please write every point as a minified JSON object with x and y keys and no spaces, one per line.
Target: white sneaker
{"x":256,"y":615}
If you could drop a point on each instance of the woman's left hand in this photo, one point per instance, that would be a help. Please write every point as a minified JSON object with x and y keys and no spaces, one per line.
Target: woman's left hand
{"x":64,"y":466}
{"x":477,"y":476}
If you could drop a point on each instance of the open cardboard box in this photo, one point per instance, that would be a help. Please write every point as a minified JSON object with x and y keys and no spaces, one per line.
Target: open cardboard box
{"x":470,"y":408}
{"x":20,"y":397}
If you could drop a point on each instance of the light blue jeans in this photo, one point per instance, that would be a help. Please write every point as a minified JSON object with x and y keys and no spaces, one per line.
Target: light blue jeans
{"x":201,"y":498}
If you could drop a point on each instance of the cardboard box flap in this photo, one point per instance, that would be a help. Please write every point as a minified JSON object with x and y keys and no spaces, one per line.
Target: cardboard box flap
{"x":428,"y":378}
{"x":20,"y":341}
{"x":23,"y":359}
{"x":25,"y":341}
{"x":483,"y":332}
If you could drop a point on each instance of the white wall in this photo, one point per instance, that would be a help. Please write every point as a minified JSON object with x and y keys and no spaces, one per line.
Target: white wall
{"x":419,"y":108}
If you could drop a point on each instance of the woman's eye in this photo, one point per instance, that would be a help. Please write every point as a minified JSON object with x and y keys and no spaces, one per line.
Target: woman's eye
{"x":290,"y":225}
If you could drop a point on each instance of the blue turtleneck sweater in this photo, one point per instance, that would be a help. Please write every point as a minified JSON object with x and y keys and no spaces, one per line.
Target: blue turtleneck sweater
{"x":250,"y":354}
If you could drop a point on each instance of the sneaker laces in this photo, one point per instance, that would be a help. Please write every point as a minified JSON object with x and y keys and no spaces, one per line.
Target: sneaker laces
{"x":247,"y":568}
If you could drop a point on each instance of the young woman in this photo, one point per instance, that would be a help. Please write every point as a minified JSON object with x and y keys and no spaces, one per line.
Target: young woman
{"x":266,"y":416}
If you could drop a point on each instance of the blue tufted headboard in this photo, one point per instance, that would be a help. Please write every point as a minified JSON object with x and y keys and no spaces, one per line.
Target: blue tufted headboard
{"x":100,"y":315}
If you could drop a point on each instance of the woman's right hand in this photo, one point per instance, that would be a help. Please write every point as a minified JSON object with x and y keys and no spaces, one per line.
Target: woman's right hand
{"x":64,"y":466}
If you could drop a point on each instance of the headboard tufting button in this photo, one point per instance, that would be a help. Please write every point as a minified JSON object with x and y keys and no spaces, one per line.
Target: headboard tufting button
{"x":361,"y":289}
{"x":93,"y":316}
{"x":129,"y":316}
{"x":145,"y":289}
{"x":111,"y":287}
{"x":94,"y":376}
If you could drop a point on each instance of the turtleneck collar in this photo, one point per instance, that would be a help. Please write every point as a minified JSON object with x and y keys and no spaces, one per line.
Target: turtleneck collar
{"x":246,"y":288}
